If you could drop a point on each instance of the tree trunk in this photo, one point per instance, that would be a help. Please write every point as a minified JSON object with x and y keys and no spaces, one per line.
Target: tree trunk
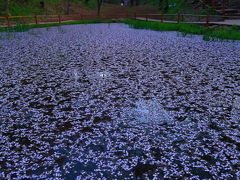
{"x":68,"y":7}
{"x":99,"y":4}
{"x":137,"y":2}
{"x":160,"y":4}
{"x":166,"y":6}
{"x":131,"y":2}
{"x":6,"y":7}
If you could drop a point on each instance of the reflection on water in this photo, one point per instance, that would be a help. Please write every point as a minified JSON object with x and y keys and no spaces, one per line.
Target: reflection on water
{"x":235,"y":113}
{"x":151,"y":111}
{"x":104,"y":74}
{"x":76,"y":75}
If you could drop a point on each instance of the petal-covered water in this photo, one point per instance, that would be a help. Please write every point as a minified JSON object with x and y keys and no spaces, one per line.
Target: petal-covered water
{"x":94,"y":101}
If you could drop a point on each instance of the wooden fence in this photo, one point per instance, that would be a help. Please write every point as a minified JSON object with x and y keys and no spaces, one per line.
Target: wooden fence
{"x":206,"y":20}
{"x":41,"y":19}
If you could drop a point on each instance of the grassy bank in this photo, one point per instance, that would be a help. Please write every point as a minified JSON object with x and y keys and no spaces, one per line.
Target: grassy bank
{"x":230,"y":33}
{"x":186,"y":28}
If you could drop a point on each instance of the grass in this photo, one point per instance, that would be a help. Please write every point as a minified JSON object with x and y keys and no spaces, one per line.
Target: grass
{"x":186,"y":28}
{"x":228,"y":33}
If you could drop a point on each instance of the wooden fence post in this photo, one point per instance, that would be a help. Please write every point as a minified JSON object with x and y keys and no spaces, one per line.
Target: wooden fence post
{"x":22,"y":20}
{"x":162,"y":17}
{"x":207,"y":21}
{"x":146,"y":17}
{"x":178,"y":18}
{"x":135,"y":15}
{"x":223,"y":7}
{"x":199,"y":18}
{"x":203,"y":3}
{"x":8,"y":22}
{"x":213,"y":4}
{"x":36,"y":19}
{"x":59,"y":19}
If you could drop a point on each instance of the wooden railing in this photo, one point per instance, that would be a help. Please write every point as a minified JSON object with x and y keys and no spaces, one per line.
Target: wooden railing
{"x":188,"y":18}
{"x":206,"y":20}
{"x":40,"y":19}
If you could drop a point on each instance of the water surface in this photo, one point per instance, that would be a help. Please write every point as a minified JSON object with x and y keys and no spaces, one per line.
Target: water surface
{"x":87,"y":101}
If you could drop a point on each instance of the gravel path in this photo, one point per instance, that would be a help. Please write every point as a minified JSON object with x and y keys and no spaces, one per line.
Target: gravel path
{"x":87,"y":101}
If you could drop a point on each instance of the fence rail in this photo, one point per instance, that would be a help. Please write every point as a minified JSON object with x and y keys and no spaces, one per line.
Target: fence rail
{"x":206,"y":20}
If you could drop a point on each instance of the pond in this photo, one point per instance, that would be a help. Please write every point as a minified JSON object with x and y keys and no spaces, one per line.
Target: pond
{"x":108,"y":101}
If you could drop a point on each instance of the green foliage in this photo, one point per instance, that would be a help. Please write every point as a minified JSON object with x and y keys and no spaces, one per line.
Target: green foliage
{"x":91,"y":4}
{"x":188,"y":28}
{"x":17,"y":9}
{"x":176,"y":6}
{"x":229,"y":33}
{"x":18,"y":28}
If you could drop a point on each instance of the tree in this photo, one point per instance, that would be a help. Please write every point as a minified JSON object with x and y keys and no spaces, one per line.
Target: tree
{"x":134,"y":2}
{"x":163,"y":5}
{"x":99,"y":4}
{"x":131,"y":2}
{"x":68,"y":3}
{"x":6,"y":7}
{"x":22,"y":1}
